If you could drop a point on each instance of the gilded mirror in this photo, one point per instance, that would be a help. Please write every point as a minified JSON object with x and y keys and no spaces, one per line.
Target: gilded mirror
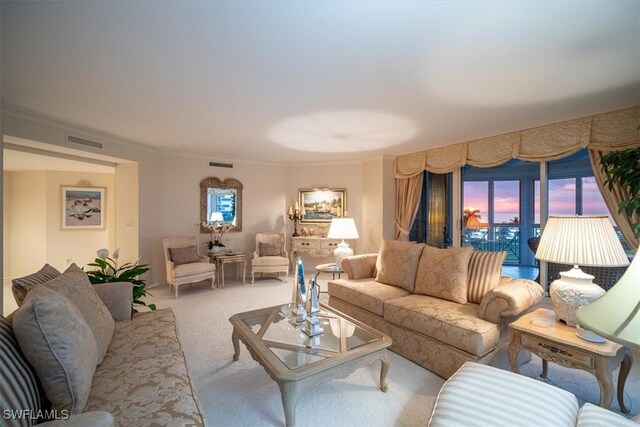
{"x":221,"y":201}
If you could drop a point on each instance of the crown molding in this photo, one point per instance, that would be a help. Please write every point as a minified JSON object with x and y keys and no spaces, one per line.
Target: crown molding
{"x":69,"y":127}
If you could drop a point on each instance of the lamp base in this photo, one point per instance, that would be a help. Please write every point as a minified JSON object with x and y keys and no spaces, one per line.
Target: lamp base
{"x":572,"y":290}
{"x":341,"y":252}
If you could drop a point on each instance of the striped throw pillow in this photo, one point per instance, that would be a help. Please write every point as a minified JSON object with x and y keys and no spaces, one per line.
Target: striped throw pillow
{"x":20,"y":387}
{"x":481,"y":395}
{"x":21,"y":286}
{"x":485,"y":269}
{"x":594,"y":416}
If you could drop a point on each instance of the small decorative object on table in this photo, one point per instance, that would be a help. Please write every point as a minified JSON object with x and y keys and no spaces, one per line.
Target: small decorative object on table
{"x":312,"y":325}
{"x":295,"y":214}
{"x":299,"y":314}
{"x":217,"y":229}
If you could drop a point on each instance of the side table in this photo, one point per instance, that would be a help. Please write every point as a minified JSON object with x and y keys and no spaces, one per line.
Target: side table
{"x":330,"y":268}
{"x":560,"y":344}
{"x":221,"y":259}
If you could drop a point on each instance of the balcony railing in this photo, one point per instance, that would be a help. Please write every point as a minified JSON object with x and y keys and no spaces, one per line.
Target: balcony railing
{"x":494,"y":239}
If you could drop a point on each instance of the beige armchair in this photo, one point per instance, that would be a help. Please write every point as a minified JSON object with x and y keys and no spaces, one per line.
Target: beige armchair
{"x":184,"y":263}
{"x":270,"y":255}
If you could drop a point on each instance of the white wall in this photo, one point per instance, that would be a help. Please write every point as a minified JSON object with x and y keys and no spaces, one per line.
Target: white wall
{"x":176,"y":207}
{"x":64,"y":247}
{"x":168,"y":191}
{"x":341,"y":175}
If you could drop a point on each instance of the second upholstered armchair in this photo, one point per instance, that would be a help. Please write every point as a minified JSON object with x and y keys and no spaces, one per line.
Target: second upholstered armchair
{"x":270,"y":255}
{"x":184,"y":263}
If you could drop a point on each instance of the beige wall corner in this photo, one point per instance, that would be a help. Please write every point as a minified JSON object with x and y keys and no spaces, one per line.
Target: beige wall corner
{"x":127,"y":218}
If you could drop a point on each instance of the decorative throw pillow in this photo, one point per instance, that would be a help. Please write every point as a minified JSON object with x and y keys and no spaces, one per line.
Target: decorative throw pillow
{"x":75,"y":285}
{"x":270,"y":249}
{"x":397,"y":263}
{"x":442,"y":273}
{"x":485,"y":269}
{"x":186,"y":255}
{"x":21,"y":388}
{"x":58,"y":343}
{"x":22,"y":285}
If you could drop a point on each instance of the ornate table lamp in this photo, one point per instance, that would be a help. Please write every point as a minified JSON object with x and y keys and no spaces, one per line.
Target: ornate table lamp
{"x":343,"y":228}
{"x":578,"y":240}
{"x":616,"y":315}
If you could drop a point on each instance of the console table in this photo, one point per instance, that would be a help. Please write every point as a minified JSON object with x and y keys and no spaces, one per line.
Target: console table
{"x":317,"y":247}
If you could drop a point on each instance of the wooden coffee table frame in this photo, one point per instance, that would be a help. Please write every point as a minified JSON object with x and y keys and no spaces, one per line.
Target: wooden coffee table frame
{"x":293,"y":382}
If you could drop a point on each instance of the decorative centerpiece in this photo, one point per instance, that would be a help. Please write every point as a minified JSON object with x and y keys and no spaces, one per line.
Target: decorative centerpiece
{"x":217,"y":228}
{"x":312,"y":324}
{"x":298,"y":313}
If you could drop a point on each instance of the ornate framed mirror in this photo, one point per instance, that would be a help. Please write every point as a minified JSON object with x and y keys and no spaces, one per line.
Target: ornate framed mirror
{"x":221,"y":201}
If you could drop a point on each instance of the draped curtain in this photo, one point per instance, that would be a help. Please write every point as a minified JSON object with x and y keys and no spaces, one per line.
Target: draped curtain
{"x":612,"y":198}
{"x":603,"y":132}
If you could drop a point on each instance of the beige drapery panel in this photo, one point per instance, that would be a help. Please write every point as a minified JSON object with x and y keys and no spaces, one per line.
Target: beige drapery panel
{"x":407,"y":201}
{"x":604,"y":132}
{"x":613,"y":198}
{"x":437,"y":208}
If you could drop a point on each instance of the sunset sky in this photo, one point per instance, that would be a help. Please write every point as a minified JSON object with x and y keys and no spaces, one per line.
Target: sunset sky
{"x":562,"y":194}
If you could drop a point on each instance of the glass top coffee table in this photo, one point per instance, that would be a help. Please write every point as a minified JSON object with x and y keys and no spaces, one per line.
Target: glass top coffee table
{"x":295,"y":361}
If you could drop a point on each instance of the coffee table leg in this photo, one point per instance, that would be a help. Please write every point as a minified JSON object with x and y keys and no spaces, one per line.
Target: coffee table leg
{"x":236,"y":345}
{"x":289,"y":393}
{"x":384,"y":368}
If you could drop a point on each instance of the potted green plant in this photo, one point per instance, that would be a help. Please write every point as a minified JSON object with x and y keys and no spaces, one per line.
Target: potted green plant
{"x":109,"y":272}
{"x":623,"y":168}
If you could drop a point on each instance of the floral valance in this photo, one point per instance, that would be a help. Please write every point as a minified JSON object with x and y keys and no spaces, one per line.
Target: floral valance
{"x":604,"y":132}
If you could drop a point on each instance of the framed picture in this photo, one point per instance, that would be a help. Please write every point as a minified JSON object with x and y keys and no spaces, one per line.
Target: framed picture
{"x":83,"y":208}
{"x":322,"y":205}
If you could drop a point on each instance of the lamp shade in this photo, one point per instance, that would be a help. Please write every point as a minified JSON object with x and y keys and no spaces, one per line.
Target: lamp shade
{"x":216,"y":217}
{"x":581,"y":240}
{"x":616,"y":314}
{"x":343,"y":228}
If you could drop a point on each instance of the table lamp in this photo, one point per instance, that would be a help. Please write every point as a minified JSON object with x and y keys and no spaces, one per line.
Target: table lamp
{"x":616,"y":315}
{"x":578,"y":240}
{"x":343,"y":228}
{"x":216,"y":217}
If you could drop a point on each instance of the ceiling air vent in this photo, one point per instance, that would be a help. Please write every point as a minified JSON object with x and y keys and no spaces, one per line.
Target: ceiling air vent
{"x":84,"y":142}
{"x":220,"y":165}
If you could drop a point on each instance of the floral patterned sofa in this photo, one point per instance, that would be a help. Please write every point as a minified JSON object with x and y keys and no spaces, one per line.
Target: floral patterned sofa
{"x":76,"y":356}
{"x":441,"y":307}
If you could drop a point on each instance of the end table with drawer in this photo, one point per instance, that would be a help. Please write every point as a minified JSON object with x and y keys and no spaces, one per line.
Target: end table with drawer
{"x":559,"y":343}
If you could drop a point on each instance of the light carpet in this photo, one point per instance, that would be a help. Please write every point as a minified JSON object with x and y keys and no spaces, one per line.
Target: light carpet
{"x":242,"y":394}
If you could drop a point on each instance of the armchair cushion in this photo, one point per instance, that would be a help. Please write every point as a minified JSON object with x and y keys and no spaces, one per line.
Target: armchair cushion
{"x":193,"y":268}
{"x":270,"y":261}
{"x":510,"y":298}
{"x":442,"y":273}
{"x":58,"y":343}
{"x":485,"y":269}
{"x":22,"y":285}
{"x":270,"y":249}
{"x":75,"y":285}
{"x":397,"y":263}
{"x":186,"y":255}
{"x":360,"y":266}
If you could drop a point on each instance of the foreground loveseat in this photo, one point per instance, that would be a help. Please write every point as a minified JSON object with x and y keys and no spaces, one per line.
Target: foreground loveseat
{"x":74,"y":350}
{"x":441,"y":307}
{"x":479,"y":395}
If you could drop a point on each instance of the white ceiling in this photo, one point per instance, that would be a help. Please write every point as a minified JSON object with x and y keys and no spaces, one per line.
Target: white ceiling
{"x":323,"y":81}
